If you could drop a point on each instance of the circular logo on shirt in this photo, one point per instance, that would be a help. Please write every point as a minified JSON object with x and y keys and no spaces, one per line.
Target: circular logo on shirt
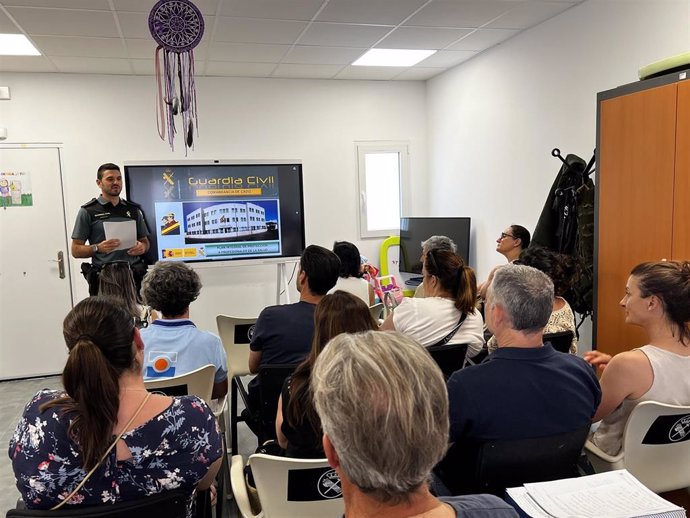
{"x":250,"y":332}
{"x":680,"y":429}
{"x":161,"y":364}
{"x":329,"y":485}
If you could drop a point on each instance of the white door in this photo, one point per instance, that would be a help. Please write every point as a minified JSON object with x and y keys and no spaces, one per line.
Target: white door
{"x":35,"y":287}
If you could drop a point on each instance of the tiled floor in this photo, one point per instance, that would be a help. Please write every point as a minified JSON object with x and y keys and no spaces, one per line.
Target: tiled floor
{"x":16,"y":394}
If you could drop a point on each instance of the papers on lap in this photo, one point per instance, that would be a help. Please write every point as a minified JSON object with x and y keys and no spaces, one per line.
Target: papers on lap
{"x":615,"y":494}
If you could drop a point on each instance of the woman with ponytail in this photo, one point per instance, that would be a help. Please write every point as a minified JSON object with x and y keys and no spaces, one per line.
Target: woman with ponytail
{"x":447,"y":314}
{"x":105,"y":438}
{"x":657,"y":298}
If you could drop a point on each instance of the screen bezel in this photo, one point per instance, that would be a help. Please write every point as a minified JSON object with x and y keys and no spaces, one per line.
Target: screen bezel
{"x":152,"y":254}
{"x":466,"y":219}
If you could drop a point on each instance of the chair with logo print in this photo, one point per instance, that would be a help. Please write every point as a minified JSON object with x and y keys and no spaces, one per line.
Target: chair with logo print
{"x":304,"y":488}
{"x":236,"y":333}
{"x":198,"y":383}
{"x":656,"y":447}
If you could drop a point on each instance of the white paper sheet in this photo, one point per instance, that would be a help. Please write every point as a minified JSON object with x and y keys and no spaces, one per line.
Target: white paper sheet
{"x":615,"y":494}
{"x":125,"y":231}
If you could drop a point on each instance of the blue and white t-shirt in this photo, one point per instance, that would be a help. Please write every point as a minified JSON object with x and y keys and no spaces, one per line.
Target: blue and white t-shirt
{"x":176,"y":347}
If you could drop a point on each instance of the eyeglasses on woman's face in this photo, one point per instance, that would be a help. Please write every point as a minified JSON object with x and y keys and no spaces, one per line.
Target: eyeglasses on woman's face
{"x":504,"y":235}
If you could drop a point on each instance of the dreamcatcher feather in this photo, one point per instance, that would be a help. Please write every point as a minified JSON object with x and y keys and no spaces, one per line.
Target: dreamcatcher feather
{"x":177,"y":26}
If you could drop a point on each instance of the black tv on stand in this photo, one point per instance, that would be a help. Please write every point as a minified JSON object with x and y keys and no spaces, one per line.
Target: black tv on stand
{"x":413,"y":231}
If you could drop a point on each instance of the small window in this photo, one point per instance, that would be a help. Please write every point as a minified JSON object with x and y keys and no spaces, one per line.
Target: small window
{"x":382,"y":167}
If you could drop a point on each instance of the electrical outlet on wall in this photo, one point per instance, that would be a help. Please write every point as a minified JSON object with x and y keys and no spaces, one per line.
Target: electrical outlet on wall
{"x":4,"y":92}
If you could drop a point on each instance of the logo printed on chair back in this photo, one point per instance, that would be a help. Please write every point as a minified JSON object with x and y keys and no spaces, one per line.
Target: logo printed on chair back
{"x":308,"y":485}
{"x":161,"y":364}
{"x":667,"y":429}
{"x":244,"y":333}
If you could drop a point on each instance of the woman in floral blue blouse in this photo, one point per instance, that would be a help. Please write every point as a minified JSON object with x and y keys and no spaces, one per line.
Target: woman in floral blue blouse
{"x":159,"y":443}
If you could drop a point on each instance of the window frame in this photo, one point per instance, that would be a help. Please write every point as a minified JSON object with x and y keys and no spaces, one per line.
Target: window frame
{"x":362,"y":148}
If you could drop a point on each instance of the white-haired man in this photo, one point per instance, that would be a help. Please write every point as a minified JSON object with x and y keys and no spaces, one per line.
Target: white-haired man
{"x":384,"y":413}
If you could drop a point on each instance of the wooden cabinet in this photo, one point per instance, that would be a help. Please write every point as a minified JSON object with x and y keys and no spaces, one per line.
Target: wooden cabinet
{"x":643,"y":194}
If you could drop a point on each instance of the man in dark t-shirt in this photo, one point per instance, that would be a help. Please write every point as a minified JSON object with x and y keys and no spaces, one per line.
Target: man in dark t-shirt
{"x":283,"y":334}
{"x":525,"y":389}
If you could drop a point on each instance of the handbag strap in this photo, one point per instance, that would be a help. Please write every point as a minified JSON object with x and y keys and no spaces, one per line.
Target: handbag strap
{"x":110,"y":448}
{"x":444,"y":341}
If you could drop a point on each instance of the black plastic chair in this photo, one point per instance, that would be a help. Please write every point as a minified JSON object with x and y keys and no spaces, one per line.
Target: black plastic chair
{"x":449,"y":357}
{"x":560,"y":341}
{"x":271,"y":379}
{"x":511,"y":463}
{"x":171,"y":504}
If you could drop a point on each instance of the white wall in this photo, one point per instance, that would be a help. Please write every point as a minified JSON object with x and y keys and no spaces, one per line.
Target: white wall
{"x":493,"y":121}
{"x":111,"y":118}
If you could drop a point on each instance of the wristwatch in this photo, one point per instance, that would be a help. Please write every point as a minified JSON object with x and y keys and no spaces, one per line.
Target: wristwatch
{"x":94,"y":248}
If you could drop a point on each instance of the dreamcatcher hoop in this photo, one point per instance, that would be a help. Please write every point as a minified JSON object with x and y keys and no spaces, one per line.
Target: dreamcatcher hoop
{"x":177,"y":26}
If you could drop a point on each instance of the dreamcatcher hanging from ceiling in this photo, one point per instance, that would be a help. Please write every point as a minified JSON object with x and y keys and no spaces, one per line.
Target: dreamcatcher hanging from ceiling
{"x":177,"y":26}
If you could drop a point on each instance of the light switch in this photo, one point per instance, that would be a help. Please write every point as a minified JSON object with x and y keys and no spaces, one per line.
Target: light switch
{"x":4,"y":92}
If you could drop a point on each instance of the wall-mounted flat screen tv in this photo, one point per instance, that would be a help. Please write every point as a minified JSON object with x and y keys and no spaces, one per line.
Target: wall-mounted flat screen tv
{"x":219,"y":211}
{"x":415,"y":230}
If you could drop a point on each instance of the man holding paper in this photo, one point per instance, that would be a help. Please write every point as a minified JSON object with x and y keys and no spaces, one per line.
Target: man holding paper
{"x":114,"y":228}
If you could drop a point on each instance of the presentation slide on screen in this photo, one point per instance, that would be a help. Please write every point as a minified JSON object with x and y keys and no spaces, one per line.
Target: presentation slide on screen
{"x":215,"y":215}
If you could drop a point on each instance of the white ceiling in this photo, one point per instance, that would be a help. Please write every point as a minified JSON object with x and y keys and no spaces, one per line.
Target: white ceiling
{"x":269,"y":38}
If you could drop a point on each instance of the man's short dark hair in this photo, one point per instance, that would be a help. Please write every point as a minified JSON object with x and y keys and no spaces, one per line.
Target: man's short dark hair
{"x":170,"y":288}
{"x":321,"y":267}
{"x":106,"y":167}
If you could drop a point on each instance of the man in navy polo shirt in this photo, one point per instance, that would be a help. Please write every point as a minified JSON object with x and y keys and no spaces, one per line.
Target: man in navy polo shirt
{"x":525,"y":389}
{"x":89,"y":227}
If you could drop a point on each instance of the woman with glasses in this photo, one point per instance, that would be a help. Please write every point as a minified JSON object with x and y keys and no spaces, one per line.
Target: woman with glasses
{"x":116,"y":280}
{"x":657,"y":298}
{"x":447,"y":314}
{"x":512,"y":241}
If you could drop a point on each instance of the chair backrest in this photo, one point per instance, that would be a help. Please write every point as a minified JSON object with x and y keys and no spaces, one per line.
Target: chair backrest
{"x":271,"y":379}
{"x":236,"y":333}
{"x":560,"y":341}
{"x":449,"y":357}
{"x":308,"y":488}
{"x":503,"y":464}
{"x":196,"y":383}
{"x":656,"y":445}
{"x":171,"y":504}
{"x":376,"y":311}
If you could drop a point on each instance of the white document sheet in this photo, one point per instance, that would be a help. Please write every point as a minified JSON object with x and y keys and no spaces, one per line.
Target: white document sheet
{"x":125,"y":231}
{"x":614,"y":494}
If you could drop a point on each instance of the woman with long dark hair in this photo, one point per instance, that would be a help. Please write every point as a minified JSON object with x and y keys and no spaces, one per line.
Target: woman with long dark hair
{"x":298,"y":427}
{"x":447,"y":314}
{"x":105,"y":438}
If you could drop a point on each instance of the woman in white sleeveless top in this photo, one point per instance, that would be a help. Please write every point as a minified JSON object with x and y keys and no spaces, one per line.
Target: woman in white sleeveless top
{"x":350,"y":276}
{"x":657,"y":298}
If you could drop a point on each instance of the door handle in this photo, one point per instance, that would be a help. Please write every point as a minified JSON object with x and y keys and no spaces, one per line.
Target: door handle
{"x":61,"y":263}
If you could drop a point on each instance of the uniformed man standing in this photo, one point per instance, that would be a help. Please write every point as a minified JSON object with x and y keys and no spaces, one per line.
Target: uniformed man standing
{"x":89,"y":227}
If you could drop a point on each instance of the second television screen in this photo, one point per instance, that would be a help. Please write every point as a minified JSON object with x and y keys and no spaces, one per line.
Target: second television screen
{"x":415,"y":230}
{"x":220,"y":212}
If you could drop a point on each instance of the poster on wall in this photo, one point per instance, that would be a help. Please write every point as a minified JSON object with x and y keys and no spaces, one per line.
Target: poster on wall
{"x":15,"y":189}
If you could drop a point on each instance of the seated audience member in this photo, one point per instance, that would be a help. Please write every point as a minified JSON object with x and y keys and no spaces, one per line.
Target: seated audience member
{"x":350,"y":276}
{"x":657,"y":298}
{"x":297,"y":425}
{"x":283,"y":334}
{"x":560,"y":271}
{"x":384,"y":411}
{"x":447,"y":313}
{"x":105,"y":419}
{"x":525,"y":389}
{"x":510,"y":244}
{"x":434,"y":243}
{"x":116,"y":280}
{"x":174,"y":346}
